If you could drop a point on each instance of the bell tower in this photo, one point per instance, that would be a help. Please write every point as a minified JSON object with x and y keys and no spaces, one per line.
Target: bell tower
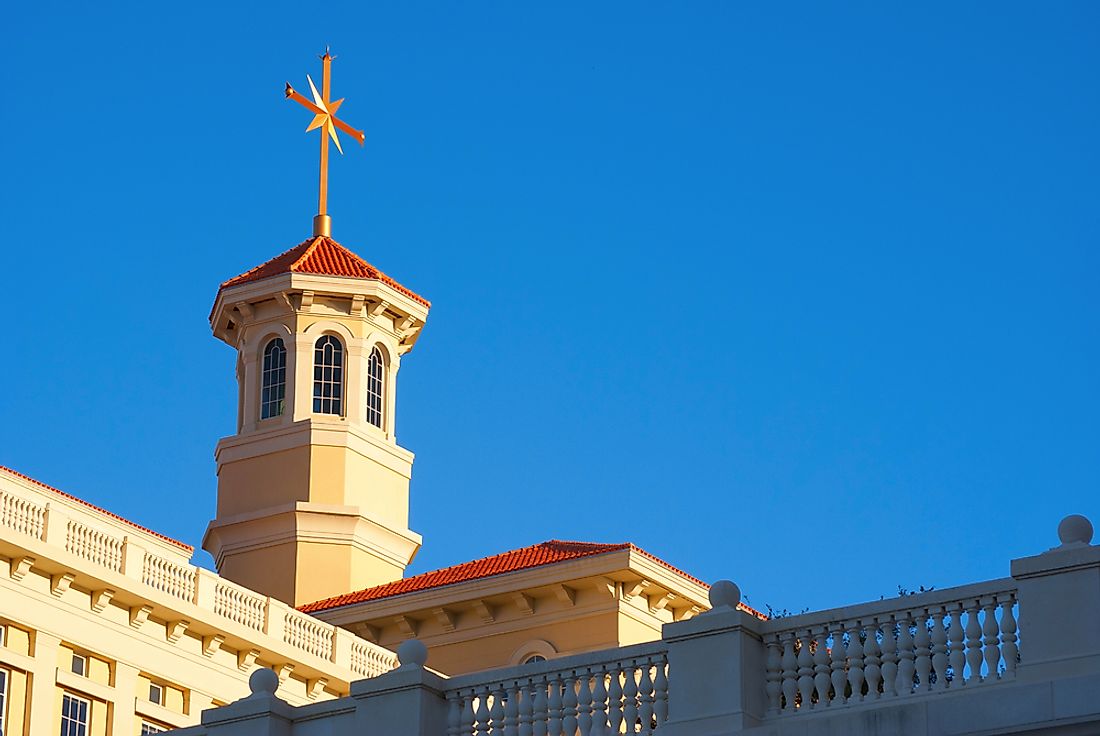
{"x":313,"y":489}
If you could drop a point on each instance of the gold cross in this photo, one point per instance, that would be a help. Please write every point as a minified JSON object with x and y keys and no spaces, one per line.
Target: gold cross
{"x":324,"y":117}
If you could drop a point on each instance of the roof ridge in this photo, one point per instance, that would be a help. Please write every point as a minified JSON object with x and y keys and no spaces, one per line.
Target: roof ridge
{"x":100,"y":509}
{"x":307,"y":252}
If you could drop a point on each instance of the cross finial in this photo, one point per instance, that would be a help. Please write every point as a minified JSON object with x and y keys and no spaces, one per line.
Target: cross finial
{"x":324,"y":117}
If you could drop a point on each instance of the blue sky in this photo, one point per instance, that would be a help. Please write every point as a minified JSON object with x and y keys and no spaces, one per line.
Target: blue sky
{"x":801,"y":296}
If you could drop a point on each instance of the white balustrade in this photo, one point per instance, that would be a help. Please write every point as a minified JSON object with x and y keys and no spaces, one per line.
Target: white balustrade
{"x":306,"y":632}
{"x":614,"y":692}
{"x":21,"y":515}
{"x":94,"y":545}
{"x":168,"y":577}
{"x":938,"y":641}
{"x":239,"y":604}
{"x":370,"y":660}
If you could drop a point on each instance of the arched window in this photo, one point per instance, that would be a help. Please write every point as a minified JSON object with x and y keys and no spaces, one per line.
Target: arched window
{"x":376,"y":368}
{"x":328,"y":376}
{"x":273,"y":384}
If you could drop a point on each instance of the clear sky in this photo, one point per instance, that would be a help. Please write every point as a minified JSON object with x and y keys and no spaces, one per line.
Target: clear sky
{"x":803,"y":297}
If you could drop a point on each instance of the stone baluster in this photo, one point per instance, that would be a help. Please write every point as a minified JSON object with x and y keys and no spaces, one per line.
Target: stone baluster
{"x":481,"y":715}
{"x":555,"y":706}
{"x":469,"y":717}
{"x":956,"y":638}
{"x":525,"y":708}
{"x":939,"y":648}
{"x":923,"y":643}
{"x":511,"y":710}
{"x":496,"y":710}
{"x":992,"y":640}
{"x":569,"y":705}
{"x":839,"y":664}
{"x":584,"y":703}
{"x":645,"y":694}
{"x":790,"y":673}
{"x":630,"y":699}
{"x":889,"y":651}
{"x":660,"y":690}
{"x":1009,"y":650}
{"x":973,"y":643}
{"x":806,"y":671}
{"x":821,"y":667}
{"x":871,"y":661}
{"x":540,"y":709}
{"x":855,"y":662}
{"x":774,"y":673}
{"x":599,"y":702}
{"x":615,"y":699}
{"x":904,"y":683}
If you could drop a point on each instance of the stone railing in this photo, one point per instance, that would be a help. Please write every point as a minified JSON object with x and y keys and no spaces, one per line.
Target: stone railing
{"x":103,"y":546}
{"x":945,"y":661}
{"x":624,"y":690}
{"x":916,"y":645}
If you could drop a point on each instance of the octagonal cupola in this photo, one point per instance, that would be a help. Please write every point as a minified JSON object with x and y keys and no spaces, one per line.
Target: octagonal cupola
{"x":313,"y":487}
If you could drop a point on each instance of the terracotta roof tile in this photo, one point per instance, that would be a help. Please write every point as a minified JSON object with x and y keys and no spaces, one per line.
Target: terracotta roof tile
{"x":323,"y":257}
{"x":537,"y":555}
{"x":105,"y":512}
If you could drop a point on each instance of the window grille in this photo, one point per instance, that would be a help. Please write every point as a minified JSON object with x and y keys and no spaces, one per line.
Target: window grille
{"x":328,"y":376}
{"x":376,"y":368}
{"x":273,"y":391}
{"x":74,"y":716}
{"x":147,"y":728}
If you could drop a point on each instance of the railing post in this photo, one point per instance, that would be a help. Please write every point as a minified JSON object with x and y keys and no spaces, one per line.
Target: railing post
{"x":205,"y":582}
{"x":407,"y":701}
{"x":258,"y":714}
{"x":1059,"y":599}
{"x":341,"y":646}
{"x":133,"y":558}
{"x":275,"y":618}
{"x":56,"y":526}
{"x":716,"y":668}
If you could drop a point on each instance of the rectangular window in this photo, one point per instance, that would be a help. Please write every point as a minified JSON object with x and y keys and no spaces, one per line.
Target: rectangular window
{"x":156,"y":693}
{"x":4,"y":677}
{"x":80,"y":665}
{"x":147,"y":727}
{"x":74,"y":716}
{"x":3,"y":635}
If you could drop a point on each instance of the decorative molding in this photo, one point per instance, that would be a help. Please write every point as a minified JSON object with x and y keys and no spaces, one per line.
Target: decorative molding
{"x":565,"y":594}
{"x":608,"y":586}
{"x":376,"y":308}
{"x":20,"y":566}
{"x":100,"y":599}
{"x":484,"y":611}
{"x":59,"y":583}
{"x":366,"y":631}
{"x":139,"y":615}
{"x":314,"y":688}
{"x":357,"y":302}
{"x":636,"y":589}
{"x":245,"y":309}
{"x":660,"y":602}
{"x":446,"y":619}
{"x":176,"y":629}
{"x":284,"y":670}
{"x":525,"y":602}
{"x":212,"y":644}
{"x":406,"y":626}
{"x":246,"y":658}
{"x":683,"y":614}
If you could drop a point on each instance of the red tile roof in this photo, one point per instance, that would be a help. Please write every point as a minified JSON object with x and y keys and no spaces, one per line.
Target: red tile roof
{"x":97,"y":509}
{"x":323,"y":257}
{"x":537,"y":555}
